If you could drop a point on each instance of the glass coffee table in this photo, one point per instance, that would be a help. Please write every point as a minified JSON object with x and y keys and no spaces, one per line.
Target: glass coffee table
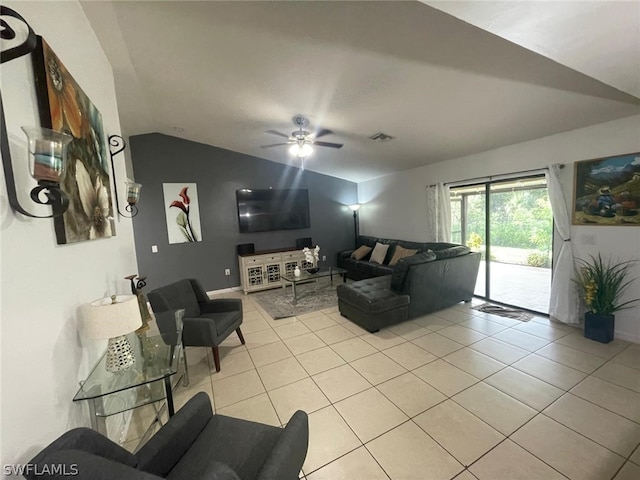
{"x":306,"y":277}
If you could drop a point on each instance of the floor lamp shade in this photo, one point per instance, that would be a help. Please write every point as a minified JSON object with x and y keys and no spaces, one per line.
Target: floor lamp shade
{"x":113,"y":318}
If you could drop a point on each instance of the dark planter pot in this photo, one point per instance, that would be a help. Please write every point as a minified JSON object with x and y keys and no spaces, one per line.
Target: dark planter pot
{"x":599,"y":327}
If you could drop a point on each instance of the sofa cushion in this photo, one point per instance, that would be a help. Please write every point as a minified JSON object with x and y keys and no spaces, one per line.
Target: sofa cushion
{"x":401,"y":252}
{"x":361,"y":252}
{"x":450,"y":252}
{"x":379,"y":252}
{"x":372,"y":295}
{"x":402,"y":268}
{"x":372,"y":269}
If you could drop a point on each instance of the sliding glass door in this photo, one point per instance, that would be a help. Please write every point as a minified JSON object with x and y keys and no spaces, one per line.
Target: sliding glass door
{"x":510,"y":222}
{"x":468,"y":225}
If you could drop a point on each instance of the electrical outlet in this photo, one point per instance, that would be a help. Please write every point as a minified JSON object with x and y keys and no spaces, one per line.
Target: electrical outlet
{"x":227,"y":271}
{"x":324,"y":258}
{"x":154,"y":249}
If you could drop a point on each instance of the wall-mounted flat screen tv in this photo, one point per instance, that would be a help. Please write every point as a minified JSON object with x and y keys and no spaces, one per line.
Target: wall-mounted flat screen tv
{"x":268,"y":210}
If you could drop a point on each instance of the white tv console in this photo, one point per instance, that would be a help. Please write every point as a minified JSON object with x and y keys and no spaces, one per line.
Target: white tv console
{"x":262,"y":270}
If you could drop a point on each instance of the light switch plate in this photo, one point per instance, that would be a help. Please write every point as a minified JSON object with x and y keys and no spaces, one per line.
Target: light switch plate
{"x":154,"y":249}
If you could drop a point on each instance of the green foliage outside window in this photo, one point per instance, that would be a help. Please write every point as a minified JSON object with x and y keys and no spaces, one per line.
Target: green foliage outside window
{"x":520,"y":219}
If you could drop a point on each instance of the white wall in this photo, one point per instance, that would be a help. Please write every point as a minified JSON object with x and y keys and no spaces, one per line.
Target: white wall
{"x":44,"y":284}
{"x":395,"y":205}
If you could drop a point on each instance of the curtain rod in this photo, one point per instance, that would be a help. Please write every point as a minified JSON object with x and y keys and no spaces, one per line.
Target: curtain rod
{"x":495,"y":177}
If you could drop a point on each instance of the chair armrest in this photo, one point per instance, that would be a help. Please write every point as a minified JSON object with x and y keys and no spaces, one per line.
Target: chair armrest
{"x":83,"y":465}
{"x":161,"y":453}
{"x":220,"y":305}
{"x":199,"y":331}
{"x":91,"y":442}
{"x":345,"y":253}
{"x":286,"y":459}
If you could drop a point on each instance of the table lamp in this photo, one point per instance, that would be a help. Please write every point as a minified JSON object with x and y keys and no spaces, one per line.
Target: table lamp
{"x":113,"y":318}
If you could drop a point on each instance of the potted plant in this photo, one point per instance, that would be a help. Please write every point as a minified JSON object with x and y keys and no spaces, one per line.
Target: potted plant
{"x":602,"y":284}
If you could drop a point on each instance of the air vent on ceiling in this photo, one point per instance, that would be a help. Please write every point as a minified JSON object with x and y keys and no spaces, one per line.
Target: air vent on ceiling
{"x":381,"y":137}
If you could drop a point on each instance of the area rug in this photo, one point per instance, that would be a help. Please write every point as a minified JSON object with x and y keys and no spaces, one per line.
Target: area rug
{"x":504,"y":312}
{"x":311,"y":297}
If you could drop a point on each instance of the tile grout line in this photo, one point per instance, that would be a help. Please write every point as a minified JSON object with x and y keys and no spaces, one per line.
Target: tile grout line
{"x":447,"y":397}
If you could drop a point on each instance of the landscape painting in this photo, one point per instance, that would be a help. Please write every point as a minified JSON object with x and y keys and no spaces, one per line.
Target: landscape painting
{"x":607,"y":191}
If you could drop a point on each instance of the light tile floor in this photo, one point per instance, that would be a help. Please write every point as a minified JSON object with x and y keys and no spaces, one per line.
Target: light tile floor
{"x":456,"y":394}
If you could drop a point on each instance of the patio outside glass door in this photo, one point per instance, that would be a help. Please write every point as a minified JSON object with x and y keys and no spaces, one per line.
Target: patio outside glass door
{"x":511,"y":223}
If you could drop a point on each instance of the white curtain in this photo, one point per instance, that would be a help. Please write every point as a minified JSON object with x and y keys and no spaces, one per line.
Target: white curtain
{"x":564,"y":302}
{"x":438,"y":213}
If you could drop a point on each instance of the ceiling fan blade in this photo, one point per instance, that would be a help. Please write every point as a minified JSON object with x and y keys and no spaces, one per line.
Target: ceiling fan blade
{"x":275,"y":132}
{"x":275,"y":145}
{"x":321,"y":132}
{"x":328,"y":144}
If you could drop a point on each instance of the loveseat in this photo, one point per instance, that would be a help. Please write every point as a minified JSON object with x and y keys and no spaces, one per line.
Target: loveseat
{"x":194,"y":444}
{"x":438,"y":276}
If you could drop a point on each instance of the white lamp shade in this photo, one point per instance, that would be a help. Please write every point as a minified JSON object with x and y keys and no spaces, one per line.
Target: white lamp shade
{"x":104,"y":319}
{"x":355,"y":207}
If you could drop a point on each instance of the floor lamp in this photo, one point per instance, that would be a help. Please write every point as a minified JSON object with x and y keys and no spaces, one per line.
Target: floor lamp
{"x":355,"y":207}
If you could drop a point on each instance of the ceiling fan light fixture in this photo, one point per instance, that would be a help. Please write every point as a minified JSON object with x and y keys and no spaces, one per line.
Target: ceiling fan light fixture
{"x":301,"y":150}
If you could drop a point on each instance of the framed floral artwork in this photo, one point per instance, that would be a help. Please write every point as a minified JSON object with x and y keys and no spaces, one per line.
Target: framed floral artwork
{"x":607,"y":191}
{"x":64,"y":107}
{"x":182,"y":212}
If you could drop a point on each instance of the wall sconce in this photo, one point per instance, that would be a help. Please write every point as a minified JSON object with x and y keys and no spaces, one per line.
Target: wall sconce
{"x":355,"y":207}
{"x":46,"y":148}
{"x":117,"y":145}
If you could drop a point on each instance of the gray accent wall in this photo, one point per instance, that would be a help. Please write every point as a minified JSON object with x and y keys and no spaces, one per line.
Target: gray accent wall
{"x":218,"y":173}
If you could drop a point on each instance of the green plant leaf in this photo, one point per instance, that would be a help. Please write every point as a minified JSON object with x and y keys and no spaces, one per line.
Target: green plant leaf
{"x":602,"y":284}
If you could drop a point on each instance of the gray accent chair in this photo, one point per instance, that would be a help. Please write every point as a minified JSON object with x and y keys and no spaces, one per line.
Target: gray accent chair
{"x":194,"y":444}
{"x":207,"y":322}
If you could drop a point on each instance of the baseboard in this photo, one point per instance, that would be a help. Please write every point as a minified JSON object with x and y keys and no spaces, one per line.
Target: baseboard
{"x":224,"y":290}
{"x":629,"y":337}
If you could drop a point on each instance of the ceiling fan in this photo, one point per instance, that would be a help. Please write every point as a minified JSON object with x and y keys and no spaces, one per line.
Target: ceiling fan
{"x":301,"y":141}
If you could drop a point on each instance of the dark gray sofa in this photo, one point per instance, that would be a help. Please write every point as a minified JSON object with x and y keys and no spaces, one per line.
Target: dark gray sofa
{"x":419,"y":284}
{"x":360,"y":269}
{"x":194,"y":444}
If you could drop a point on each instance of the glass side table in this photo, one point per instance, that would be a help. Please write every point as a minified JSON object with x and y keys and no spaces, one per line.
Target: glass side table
{"x":147,"y":381}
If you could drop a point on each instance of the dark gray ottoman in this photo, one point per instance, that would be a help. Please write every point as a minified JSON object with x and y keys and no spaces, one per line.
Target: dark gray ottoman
{"x":371,"y":303}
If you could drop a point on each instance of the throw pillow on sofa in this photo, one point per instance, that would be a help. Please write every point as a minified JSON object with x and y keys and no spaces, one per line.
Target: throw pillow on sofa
{"x":361,"y":252}
{"x":379,"y":252}
{"x":401,"y":252}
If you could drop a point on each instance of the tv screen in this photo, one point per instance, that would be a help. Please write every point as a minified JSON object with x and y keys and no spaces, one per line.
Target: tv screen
{"x":267,"y":210}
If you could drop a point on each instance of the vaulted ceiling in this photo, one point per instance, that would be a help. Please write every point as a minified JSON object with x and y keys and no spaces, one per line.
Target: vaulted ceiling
{"x":442,"y":84}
